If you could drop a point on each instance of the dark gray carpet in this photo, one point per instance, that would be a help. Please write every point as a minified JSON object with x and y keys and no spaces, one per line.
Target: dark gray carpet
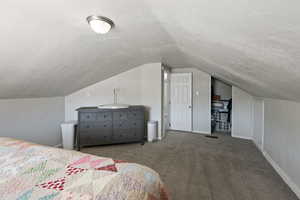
{"x":195,"y":167}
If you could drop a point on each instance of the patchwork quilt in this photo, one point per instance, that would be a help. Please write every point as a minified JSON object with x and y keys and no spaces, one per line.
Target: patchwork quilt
{"x":30,"y":171}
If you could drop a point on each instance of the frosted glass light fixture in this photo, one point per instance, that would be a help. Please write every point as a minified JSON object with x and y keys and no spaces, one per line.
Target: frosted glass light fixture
{"x":100,"y":24}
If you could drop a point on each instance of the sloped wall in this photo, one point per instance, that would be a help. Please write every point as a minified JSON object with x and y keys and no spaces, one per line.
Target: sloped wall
{"x":36,"y":120}
{"x":139,"y":86}
{"x":282,"y":139}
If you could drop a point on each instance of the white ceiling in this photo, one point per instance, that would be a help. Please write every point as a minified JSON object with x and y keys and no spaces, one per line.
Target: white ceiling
{"x":48,"y":49}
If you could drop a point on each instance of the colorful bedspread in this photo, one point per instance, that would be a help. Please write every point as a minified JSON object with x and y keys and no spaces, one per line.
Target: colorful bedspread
{"x":30,"y":171}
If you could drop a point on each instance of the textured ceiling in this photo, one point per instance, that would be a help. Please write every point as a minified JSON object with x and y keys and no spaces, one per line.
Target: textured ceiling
{"x":47,"y":48}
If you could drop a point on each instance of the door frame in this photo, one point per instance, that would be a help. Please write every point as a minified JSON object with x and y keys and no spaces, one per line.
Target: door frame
{"x":165,"y":96}
{"x":191,"y":99}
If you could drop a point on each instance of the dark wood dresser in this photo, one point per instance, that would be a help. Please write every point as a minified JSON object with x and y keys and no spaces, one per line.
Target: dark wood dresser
{"x":110,"y":126}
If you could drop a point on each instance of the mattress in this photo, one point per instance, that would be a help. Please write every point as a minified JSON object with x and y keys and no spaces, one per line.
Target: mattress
{"x":30,"y":171}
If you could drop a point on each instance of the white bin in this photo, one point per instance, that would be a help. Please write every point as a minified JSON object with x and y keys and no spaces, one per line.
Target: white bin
{"x":68,"y":132}
{"x":152,"y":130}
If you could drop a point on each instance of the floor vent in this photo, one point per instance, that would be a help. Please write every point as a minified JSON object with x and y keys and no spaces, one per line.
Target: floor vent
{"x":212,"y":136}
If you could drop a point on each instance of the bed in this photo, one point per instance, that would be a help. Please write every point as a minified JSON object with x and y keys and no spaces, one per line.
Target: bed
{"x":30,"y":171}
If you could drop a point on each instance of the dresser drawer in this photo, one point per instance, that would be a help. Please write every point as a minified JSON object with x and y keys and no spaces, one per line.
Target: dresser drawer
{"x":121,"y":135}
{"x":128,"y":135}
{"x":120,"y":115}
{"x":104,"y":116}
{"x":94,"y":138}
{"x":91,"y":126}
{"x":136,"y":124}
{"x":105,"y":125}
{"x":136,"y":114}
{"x":136,"y":134}
{"x":87,"y":126}
{"x":124,"y":124}
{"x":86,"y":117}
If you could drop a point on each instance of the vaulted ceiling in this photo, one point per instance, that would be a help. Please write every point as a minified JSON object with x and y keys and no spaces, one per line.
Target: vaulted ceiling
{"x":48,"y":49}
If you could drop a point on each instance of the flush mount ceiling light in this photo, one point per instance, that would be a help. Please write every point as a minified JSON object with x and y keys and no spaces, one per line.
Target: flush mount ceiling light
{"x":100,"y":24}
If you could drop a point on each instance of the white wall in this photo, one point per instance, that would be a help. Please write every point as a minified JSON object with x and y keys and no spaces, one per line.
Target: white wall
{"x":201,"y":99}
{"x":274,"y":126}
{"x":242,"y":114}
{"x":222,"y":89}
{"x":151,"y":92}
{"x":139,"y":86}
{"x":258,"y":122}
{"x":36,"y":120}
{"x":282,"y":139}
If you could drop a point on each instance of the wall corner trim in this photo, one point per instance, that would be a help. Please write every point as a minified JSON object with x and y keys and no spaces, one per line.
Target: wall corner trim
{"x":257,"y":146}
{"x":283,"y":175}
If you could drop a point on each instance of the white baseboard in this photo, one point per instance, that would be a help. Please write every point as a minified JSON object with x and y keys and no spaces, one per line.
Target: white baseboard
{"x":242,"y":137}
{"x":283,"y":175}
{"x":58,"y":146}
{"x":202,"y":132}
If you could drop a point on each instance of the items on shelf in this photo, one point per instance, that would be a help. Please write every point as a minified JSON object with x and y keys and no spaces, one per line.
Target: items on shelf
{"x":216,"y":97}
{"x":221,"y":121}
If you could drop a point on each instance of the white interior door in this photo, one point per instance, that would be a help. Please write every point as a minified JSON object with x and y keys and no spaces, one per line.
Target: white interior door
{"x":181,"y":102}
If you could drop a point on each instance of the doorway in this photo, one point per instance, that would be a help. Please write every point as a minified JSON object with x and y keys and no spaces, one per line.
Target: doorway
{"x":221,"y":107}
{"x":181,"y":101}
